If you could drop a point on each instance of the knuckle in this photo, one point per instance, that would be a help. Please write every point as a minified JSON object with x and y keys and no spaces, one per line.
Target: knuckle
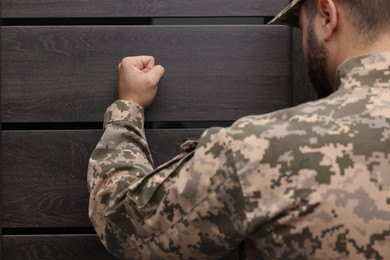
{"x":149,"y":57}
{"x":126,"y":60}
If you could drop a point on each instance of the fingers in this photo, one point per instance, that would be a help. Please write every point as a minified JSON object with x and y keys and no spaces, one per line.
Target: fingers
{"x":148,"y":62}
{"x":138,"y":79}
{"x":144,"y":64}
{"x":156,"y":73}
{"x":158,"y":70}
{"x":140,"y":62}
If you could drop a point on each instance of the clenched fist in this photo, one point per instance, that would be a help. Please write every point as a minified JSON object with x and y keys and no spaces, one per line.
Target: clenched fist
{"x":138,"y":79}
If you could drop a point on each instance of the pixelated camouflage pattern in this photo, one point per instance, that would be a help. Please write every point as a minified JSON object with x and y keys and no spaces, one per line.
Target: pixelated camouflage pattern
{"x":309,"y":182}
{"x":289,"y":15}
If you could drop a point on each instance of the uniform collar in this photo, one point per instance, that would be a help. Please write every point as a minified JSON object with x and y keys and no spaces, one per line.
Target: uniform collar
{"x":372,"y":70}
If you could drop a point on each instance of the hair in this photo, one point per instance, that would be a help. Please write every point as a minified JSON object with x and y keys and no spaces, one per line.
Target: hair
{"x":370,"y":18}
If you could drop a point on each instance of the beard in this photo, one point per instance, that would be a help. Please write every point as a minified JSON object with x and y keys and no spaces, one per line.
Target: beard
{"x":317,"y":60}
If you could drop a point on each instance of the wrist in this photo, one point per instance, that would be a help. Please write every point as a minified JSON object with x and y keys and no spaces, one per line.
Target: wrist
{"x":125,"y":110}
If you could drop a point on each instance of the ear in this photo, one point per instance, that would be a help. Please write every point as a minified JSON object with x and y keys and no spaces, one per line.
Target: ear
{"x":329,"y":18}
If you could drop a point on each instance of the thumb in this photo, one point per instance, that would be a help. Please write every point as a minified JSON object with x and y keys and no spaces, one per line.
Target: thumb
{"x":156,"y":73}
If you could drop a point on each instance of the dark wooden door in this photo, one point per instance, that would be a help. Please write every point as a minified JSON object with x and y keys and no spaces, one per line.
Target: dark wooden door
{"x":58,"y":75}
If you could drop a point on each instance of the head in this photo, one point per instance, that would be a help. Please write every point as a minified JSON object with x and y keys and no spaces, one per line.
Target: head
{"x":335,"y":30}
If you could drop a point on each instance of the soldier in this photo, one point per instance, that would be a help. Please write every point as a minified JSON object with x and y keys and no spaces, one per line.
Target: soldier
{"x":309,"y":182}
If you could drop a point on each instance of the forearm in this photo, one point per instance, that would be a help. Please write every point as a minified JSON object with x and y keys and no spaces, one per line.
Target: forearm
{"x":120,"y":158}
{"x":123,"y":146}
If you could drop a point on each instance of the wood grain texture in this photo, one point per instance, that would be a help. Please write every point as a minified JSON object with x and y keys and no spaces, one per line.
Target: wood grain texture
{"x":214,"y":73}
{"x":302,"y":86}
{"x":139,"y":8}
{"x":58,"y":247}
{"x":44,"y":173}
{"x":62,"y":247}
{"x":1,"y":181}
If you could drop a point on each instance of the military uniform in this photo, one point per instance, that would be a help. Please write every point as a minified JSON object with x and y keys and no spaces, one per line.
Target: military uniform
{"x":305,"y":182}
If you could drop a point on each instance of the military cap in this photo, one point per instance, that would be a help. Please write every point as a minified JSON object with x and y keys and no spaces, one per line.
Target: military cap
{"x":289,"y":15}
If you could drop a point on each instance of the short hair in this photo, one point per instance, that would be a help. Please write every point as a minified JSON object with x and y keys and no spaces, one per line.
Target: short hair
{"x":369,"y":17}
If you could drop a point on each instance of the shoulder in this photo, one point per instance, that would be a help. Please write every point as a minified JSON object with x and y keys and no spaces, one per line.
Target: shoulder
{"x":298,"y":120}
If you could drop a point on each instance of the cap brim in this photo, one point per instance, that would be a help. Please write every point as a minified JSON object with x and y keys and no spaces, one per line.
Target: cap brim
{"x":289,"y":15}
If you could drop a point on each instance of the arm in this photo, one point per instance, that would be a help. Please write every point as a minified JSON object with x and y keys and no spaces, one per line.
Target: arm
{"x":191,"y":206}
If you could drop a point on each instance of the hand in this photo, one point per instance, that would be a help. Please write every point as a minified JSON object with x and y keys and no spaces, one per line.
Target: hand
{"x":138,"y":79}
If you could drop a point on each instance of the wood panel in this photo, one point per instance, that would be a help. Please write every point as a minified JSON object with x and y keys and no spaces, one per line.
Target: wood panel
{"x":61,"y":247}
{"x":302,"y":87}
{"x":138,"y":8}
{"x":58,"y":247}
{"x":68,"y":73}
{"x":1,"y":178}
{"x":44,"y":173}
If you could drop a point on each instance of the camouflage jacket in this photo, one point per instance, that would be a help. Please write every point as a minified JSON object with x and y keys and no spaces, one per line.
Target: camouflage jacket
{"x":308,"y":182}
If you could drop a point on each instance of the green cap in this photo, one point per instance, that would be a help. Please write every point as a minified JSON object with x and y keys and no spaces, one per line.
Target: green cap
{"x":289,"y":15}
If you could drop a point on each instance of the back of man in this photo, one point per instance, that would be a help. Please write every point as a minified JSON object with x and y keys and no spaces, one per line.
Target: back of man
{"x":316,"y":177}
{"x":329,"y":196}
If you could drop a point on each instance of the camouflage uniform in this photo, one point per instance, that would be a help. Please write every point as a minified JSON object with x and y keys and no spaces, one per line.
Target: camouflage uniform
{"x":306,"y":182}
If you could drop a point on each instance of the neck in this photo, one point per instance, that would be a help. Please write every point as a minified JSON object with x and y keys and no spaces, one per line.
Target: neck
{"x":381,"y":44}
{"x":343,"y":49}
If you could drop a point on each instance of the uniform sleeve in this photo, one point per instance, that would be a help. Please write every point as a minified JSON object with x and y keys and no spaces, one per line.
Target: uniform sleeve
{"x":190,"y":207}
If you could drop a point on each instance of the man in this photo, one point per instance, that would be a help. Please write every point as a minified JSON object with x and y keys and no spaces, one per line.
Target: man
{"x":306,"y":182}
